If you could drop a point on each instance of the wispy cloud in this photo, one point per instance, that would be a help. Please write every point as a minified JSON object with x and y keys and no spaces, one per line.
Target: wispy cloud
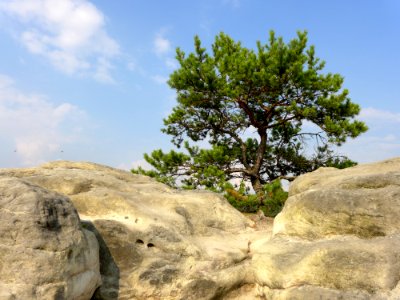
{"x":102,"y":72}
{"x":381,"y":141}
{"x":372,"y":147}
{"x":131,"y":65}
{"x":160,"y":79}
{"x":161,"y":45}
{"x":162,"y":48}
{"x":372,"y":115}
{"x":33,"y":126}
{"x":171,"y":63}
{"x":69,"y":33}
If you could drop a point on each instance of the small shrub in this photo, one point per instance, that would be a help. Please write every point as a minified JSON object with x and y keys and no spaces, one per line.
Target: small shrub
{"x":273,"y":198}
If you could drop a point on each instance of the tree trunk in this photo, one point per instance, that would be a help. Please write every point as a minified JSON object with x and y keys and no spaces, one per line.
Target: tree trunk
{"x":255,"y":179}
{"x":258,"y":188}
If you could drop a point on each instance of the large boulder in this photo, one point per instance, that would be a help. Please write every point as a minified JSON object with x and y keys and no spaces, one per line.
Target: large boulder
{"x":44,"y":252}
{"x":336,"y":238}
{"x":362,"y":201}
{"x":155,"y":242}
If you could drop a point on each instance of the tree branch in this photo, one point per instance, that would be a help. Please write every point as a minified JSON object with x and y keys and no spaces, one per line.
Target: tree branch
{"x":243,"y":105}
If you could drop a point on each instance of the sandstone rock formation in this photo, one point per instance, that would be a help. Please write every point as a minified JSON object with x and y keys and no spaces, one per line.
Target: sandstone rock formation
{"x":44,"y":253}
{"x":155,"y":242}
{"x":337,"y":237}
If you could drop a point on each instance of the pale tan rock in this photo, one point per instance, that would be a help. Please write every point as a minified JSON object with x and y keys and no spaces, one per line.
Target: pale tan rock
{"x":44,"y":252}
{"x":344,"y":263}
{"x":363,"y":201}
{"x":337,"y":237}
{"x":155,"y":242}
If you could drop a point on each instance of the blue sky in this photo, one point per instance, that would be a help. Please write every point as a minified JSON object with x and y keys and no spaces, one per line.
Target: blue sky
{"x":86,"y":80}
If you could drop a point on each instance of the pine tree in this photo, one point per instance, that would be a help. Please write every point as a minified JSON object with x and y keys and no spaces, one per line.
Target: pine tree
{"x":251,"y":106}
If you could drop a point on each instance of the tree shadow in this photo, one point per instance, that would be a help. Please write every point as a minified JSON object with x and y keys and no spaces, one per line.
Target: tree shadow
{"x":110,"y":273}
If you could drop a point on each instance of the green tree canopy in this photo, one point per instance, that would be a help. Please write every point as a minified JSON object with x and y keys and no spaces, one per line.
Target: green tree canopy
{"x":251,"y":106}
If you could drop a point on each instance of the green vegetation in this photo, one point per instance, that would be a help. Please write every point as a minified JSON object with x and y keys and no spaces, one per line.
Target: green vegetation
{"x":260,"y":111}
{"x":274,"y":198}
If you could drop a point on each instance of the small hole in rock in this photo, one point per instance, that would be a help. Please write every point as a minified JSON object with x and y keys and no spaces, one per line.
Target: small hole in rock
{"x":149,"y":245}
{"x":139,"y":241}
{"x":126,"y":217}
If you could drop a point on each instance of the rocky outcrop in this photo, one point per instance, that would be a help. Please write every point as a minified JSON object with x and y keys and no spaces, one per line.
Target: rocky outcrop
{"x":337,"y":237}
{"x":44,"y":252}
{"x":362,"y":201}
{"x":155,"y":242}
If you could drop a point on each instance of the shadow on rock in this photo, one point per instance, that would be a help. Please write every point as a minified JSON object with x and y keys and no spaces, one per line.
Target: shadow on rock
{"x":110,"y":274}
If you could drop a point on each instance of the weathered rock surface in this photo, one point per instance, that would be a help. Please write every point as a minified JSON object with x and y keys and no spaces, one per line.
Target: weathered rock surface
{"x":155,"y":242}
{"x":339,"y":230}
{"x":337,"y":237}
{"x":363,"y":201}
{"x":44,"y":252}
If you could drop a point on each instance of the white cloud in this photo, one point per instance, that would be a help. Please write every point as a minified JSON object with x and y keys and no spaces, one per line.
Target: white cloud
{"x":371,"y":148}
{"x":161,"y":44}
{"x":160,"y":79}
{"x":35,"y":128}
{"x":131,"y":65}
{"x":102,"y":71}
{"x":373,"y":114}
{"x":171,"y":63}
{"x":381,"y":141}
{"x":162,"y":48}
{"x":5,"y":82}
{"x":69,"y":33}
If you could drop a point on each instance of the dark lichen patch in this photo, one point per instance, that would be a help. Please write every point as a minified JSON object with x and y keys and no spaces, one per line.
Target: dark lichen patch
{"x":214,"y":224}
{"x":363,"y":230}
{"x":54,"y":213}
{"x":371,"y":182}
{"x":343,"y":273}
{"x":360,"y":225}
{"x":201,"y":289}
{"x":185,"y":214}
{"x":164,"y":234}
{"x":159,"y":273}
{"x":339,"y":221}
{"x":60,"y":294}
{"x":366,"y":232}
